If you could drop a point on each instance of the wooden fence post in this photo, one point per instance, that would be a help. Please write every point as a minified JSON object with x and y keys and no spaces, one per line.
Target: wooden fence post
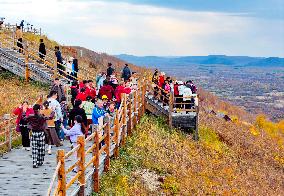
{"x":135,"y":101}
{"x":129,"y":123}
{"x":81,"y":164}
{"x":143,"y":98}
{"x":116,"y":132}
{"x":124,"y":120}
{"x":10,"y":133}
{"x":27,"y":72}
{"x":107,"y":143}
{"x":196,"y":134}
{"x":61,"y":173}
{"x":96,"y":162}
{"x":55,"y":69}
{"x":171,"y":109}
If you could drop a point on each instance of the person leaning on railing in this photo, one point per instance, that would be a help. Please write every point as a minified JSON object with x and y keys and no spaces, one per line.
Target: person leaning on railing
{"x":23,"y":111}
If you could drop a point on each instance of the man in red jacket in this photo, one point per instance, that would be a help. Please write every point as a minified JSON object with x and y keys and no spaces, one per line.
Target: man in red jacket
{"x":119,"y":91}
{"x":82,"y":95}
{"x":107,"y":90}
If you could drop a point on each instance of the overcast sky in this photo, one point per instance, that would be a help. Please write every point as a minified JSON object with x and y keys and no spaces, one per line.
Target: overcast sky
{"x":158,"y":27}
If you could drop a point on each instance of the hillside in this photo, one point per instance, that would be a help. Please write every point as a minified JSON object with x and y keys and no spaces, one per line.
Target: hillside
{"x":204,"y":60}
{"x":230,"y":159}
{"x":14,"y":90}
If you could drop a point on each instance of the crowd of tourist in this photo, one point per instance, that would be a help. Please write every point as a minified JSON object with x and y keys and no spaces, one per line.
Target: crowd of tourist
{"x":182,"y":91}
{"x":55,"y":120}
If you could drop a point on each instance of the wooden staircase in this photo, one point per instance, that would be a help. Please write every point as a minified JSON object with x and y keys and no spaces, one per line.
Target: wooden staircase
{"x":29,"y":65}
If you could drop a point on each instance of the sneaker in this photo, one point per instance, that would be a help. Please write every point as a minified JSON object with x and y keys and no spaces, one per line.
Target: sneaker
{"x":49,"y":151}
{"x":28,"y":148}
{"x":35,"y":166}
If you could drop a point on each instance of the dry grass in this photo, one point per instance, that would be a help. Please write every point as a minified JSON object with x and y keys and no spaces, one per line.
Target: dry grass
{"x":14,"y":90}
{"x":216,"y":165}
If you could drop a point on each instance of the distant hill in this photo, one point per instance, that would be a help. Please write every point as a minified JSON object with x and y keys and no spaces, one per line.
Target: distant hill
{"x":202,"y":60}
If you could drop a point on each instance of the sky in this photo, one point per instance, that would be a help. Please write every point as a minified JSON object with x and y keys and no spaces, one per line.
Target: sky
{"x":158,"y":27}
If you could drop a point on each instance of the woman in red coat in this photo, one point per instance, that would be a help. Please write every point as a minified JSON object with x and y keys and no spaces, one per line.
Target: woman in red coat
{"x":82,"y":95}
{"x":23,"y":111}
{"x":162,"y":79}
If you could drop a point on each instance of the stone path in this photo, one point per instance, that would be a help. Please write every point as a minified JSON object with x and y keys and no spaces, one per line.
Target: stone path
{"x":19,"y":178}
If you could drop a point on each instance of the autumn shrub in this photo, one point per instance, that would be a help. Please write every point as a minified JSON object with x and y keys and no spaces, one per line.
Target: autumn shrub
{"x":221,"y":163}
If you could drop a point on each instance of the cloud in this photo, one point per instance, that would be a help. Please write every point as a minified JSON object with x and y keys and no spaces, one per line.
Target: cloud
{"x":120,"y":27}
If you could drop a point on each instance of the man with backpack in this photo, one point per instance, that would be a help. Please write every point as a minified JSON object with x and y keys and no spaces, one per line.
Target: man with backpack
{"x":126,"y":73}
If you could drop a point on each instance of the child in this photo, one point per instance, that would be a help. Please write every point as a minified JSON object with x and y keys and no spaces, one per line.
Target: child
{"x":37,"y":122}
{"x":52,"y":138}
{"x":105,"y":101}
{"x":111,"y":114}
{"x":77,"y":130}
{"x":88,"y":106}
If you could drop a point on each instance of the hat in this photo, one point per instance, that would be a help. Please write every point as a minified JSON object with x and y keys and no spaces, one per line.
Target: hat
{"x":180,"y":82}
{"x":163,"y":73}
{"x":104,"y":97}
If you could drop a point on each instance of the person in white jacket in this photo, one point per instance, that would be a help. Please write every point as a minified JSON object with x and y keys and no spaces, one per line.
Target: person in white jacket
{"x":187,"y":99}
{"x":55,"y":106}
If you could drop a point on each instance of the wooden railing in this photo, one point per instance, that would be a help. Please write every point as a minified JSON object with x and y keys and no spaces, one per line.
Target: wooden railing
{"x":28,"y":28}
{"x":32,"y":54}
{"x":94,"y":153}
{"x":7,"y":132}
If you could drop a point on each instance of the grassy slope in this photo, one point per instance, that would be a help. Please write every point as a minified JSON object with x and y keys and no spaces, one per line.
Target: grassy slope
{"x":211,"y":166}
{"x":14,"y":90}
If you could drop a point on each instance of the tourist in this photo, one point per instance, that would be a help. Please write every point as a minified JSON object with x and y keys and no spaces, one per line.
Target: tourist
{"x":69,"y":70}
{"x":113,"y":81}
{"x":79,"y":129}
{"x":82,"y":95}
{"x":111,"y":111}
{"x":64,"y":110}
{"x":98,"y":112}
{"x":75,"y":68}
{"x":37,"y":122}
{"x":177,"y":95}
{"x":180,"y":90}
{"x":51,"y":136}
{"x":19,"y":38}
{"x":58,"y":88}
{"x":74,"y":91}
{"x":55,"y":106}
{"x":88,"y":106}
{"x":192,"y":87}
{"x":77,"y":110}
{"x":107,"y":90}
{"x":110,"y":70}
{"x":100,"y":81}
{"x":24,"y":110}
{"x":41,"y":50}
{"x":22,"y":25}
{"x":155,"y":77}
{"x":91,"y":89}
{"x":105,"y":101}
{"x":59,"y":59}
{"x":161,"y":79}
{"x":187,"y":99}
{"x":126,"y":73}
{"x":119,"y":91}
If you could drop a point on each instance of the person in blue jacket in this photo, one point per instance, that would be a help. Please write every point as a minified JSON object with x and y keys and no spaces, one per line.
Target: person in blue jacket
{"x":98,"y":112}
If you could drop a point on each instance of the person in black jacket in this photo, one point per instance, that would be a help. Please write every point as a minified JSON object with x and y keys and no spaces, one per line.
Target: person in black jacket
{"x":126,"y":73}
{"x":42,"y":50}
{"x":59,"y":59}
{"x":77,"y":110}
{"x":110,"y":70}
{"x":75,"y":68}
{"x":74,"y":91}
